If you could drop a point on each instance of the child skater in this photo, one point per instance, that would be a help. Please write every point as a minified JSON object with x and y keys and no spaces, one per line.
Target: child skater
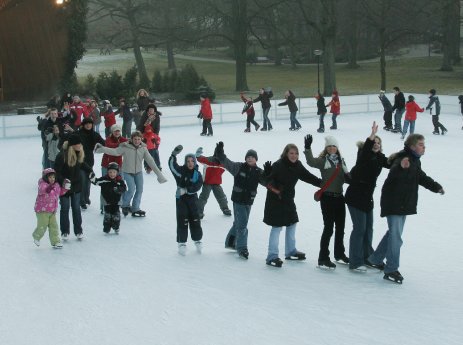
{"x":46,"y":205}
{"x":434,"y":109}
{"x":410,"y":115}
{"x":152,"y":141}
{"x":335,"y":108}
{"x":112,"y":187}
{"x":53,"y":141}
{"x":189,"y":182}
{"x":460,"y":98}
{"x":250,"y":113}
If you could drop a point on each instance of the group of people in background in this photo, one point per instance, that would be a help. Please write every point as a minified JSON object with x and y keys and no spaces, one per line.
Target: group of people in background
{"x":70,"y":139}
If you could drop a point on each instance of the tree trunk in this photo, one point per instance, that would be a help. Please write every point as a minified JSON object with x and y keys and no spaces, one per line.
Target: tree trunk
{"x":170,"y":56}
{"x":382,"y":58}
{"x":447,"y":37}
{"x":143,"y":76}
{"x":328,"y":25}
{"x":353,"y":35}
{"x":240,"y":41}
{"x":456,"y":32}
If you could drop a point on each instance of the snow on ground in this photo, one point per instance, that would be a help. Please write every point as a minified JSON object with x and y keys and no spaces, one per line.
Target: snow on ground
{"x":135,"y":289}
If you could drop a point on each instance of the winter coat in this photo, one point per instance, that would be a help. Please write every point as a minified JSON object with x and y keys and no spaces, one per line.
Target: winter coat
{"x":111,"y":189}
{"x":248,"y":108}
{"x":95,"y":115}
{"x":47,"y":196}
{"x":246,"y":179}
{"x":112,"y":142}
{"x":335,"y":105}
{"x":151,"y":139}
{"x":327,"y":168}
{"x":321,"y":107}
{"x":67,"y":117}
{"x":64,"y":171}
{"x":399,"y":195}
{"x":411,"y":109}
{"x":109,"y":117}
{"x":125,"y":113}
{"x":206,"y":110}
{"x":155,"y":123}
{"x":399,"y":101}
{"x":290,"y":102}
{"x":189,"y":181}
{"x":81,"y":111}
{"x":53,"y":149}
{"x":264,"y":99}
{"x":280,"y":209}
{"x":142,"y":103}
{"x":364,"y":174}
{"x":89,"y":139}
{"x":385,"y":102}
{"x":433,"y":100}
{"x":213,"y":170}
{"x":133,"y":158}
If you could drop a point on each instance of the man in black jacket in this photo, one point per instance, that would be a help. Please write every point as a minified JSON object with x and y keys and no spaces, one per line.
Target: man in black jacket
{"x":264,"y":98}
{"x":399,"y":198}
{"x":399,"y":107}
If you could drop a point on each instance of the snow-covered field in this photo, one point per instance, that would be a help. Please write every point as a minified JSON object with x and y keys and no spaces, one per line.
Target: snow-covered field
{"x":135,"y":289}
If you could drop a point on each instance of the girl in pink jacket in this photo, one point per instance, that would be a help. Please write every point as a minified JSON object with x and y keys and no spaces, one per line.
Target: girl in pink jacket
{"x":46,"y":205}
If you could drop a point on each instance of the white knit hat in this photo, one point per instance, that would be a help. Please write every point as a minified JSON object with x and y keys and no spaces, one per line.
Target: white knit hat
{"x":331,"y":141}
{"x":115,"y":127}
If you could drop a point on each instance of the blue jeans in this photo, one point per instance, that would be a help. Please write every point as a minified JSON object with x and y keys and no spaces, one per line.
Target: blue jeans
{"x":322,"y":121}
{"x":361,"y":237}
{"x":398,"y":119}
{"x":134,"y":190}
{"x":239,"y":228}
{"x":293,"y":120}
{"x":335,"y":124}
{"x":66,"y":202}
{"x":389,"y":247}
{"x":412,"y":127}
{"x":267,"y":124}
{"x":274,"y":239}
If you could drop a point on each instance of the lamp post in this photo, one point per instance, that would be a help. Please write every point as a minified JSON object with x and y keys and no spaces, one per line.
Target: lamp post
{"x":318,"y":52}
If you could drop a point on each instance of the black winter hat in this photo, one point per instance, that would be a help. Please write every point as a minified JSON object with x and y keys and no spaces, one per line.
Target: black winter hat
{"x":411,"y":98}
{"x":74,"y":139}
{"x":152,"y":105}
{"x":113,"y":166}
{"x":87,"y":120}
{"x":251,"y":153}
{"x":432,"y":91}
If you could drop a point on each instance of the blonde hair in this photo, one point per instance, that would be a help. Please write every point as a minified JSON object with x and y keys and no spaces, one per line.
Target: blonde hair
{"x":71,"y":157}
{"x":288,"y":148}
{"x":140,"y":91}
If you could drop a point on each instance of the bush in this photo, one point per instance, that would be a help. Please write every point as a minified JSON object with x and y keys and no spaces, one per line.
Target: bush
{"x":156,"y":84}
{"x":89,"y":87}
{"x":130,"y":82}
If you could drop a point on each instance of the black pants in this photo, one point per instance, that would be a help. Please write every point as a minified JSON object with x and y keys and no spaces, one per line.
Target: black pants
{"x":387,"y":117}
{"x":437,"y":125}
{"x":112,"y":218}
{"x":188,"y":214}
{"x":334,"y":213}
{"x":249,"y":120}
{"x":207,"y":127}
{"x":85,"y":193}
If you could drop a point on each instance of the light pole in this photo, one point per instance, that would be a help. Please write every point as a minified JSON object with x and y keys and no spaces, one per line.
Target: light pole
{"x":318,"y":52}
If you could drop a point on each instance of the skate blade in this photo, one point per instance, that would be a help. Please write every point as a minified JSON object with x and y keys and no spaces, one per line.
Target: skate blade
{"x":325,"y":268}
{"x":295,"y":258}
{"x":393,"y":280}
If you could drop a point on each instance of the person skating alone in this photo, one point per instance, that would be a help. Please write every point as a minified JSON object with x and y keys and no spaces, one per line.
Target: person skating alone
{"x":205,"y":113}
{"x":387,"y":106}
{"x":399,"y":198}
{"x":46,"y":205}
{"x":410,"y":115}
{"x":189,"y":181}
{"x":112,"y":187}
{"x":434,"y":109}
{"x":321,"y":111}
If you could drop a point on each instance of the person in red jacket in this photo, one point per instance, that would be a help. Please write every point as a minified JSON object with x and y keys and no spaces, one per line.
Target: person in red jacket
{"x":250,"y":113}
{"x":205,"y":113}
{"x":109,"y":117}
{"x":152,"y":141}
{"x":79,"y":108}
{"x":335,"y":108}
{"x":410,"y":115}
{"x":111,"y":141}
{"x":213,"y":171}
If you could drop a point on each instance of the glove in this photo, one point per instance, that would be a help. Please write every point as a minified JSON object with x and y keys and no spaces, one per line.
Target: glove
{"x":182,"y":191}
{"x":199,"y":152}
{"x":308,"y":141}
{"x":219,"y":150}
{"x":200,"y":116}
{"x":267,"y":168}
{"x":38,"y":118}
{"x":177,"y":150}
{"x":92,"y":177}
{"x":67,"y":184}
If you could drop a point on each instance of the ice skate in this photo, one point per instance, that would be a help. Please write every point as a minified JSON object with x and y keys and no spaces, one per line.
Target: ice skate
{"x":296,"y":256}
{"x":58,"y":245}
{"x":199,"y":247}
{"x":244,"y":254}
{"x":342,"y":260}
{"x":182,"y":249}
{"x":395,"y":277}
{"x":275,"y":262}
{"x":326,"y":264}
